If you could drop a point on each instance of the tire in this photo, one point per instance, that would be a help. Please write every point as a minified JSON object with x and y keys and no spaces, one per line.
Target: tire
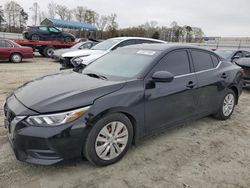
{"x":41,"y":52}
{"x":48,"y":51}
{"x":16,"y":58}
{"x":35,"y":37}
{"x":226,"y":107}
{"x":103,"y":151}
{"x":68,"y":39}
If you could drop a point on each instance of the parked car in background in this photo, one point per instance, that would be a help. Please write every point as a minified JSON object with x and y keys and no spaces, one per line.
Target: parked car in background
{"x":87,"y":56}
{"x":14,"y":52}
{"x":116,"y":100}
{"x":47,"y":33}
{"x":232,"y":55}
{"x":244,"y":63}
{"x":57,"y":54}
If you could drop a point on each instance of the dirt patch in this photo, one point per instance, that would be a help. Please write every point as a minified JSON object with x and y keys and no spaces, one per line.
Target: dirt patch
{"x":204,"y":153}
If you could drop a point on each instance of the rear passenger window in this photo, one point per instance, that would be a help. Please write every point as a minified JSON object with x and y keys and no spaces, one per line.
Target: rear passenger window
{"x":202,"y":60}
{"x":215,"y":60}
{"x":176,"y":62}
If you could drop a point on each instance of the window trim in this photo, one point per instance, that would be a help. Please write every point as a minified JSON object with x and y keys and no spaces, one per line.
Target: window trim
{"x":198,"y":72}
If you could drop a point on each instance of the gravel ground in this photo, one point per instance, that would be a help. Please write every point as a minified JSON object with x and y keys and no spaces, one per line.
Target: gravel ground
{"x":204,"y":153}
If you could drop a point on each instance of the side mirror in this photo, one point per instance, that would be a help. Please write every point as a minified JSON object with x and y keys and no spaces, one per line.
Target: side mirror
{"x":163,"y":76}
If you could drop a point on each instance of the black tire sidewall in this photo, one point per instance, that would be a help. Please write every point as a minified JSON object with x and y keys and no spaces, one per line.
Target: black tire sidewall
{"x":67,"y":39}
{"x":89,"y":149}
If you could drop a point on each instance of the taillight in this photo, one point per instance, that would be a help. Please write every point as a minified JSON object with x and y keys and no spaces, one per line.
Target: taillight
{"x":242,"y":72}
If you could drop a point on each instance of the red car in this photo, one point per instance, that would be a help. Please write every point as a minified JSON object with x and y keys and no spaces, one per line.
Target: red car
{"x":14,"y":52}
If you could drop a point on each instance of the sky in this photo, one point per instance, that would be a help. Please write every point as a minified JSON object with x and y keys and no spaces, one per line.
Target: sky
{"x":224,"y":18}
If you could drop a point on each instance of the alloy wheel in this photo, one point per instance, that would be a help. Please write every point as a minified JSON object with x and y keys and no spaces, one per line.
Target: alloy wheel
{"x":228,"y":104}
{"x":111,"y":140}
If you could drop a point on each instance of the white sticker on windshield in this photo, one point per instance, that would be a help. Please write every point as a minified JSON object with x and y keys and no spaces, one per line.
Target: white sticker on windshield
{"x":146,"y":52}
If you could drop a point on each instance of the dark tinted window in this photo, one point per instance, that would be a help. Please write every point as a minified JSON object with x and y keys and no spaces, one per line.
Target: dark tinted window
{"x":2,"y":44}
{"x":246,"y":54}
{"x":8,"y":45}
{"x":43,"y":28}
{"x":239,"y":54}
{"x":215,"y":60}
{"x":141,"y":41}
{"x":126,"y":43}
{"x":202,"y":60}
{"x":176,"y":62}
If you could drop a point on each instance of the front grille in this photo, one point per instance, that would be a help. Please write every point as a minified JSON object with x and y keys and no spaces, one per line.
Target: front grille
{"x":8,"y":113}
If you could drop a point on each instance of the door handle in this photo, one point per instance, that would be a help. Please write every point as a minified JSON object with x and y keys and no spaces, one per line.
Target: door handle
{"x":224,"y":75}
{"x":191,"y":84}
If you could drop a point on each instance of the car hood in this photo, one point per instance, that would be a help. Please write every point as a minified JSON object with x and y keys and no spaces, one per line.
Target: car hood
{"x":77,"y":53}
{"x":64,"y":91}
{"x":62,"y":51}
{"x":243,"y":62}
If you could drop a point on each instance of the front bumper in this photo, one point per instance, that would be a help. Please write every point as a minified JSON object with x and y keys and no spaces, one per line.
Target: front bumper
{"x":66,"y":62}
{"x":45,"y":145}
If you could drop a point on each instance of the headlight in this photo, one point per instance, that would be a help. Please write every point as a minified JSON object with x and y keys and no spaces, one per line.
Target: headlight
{"x":57,"y":119}
{"x":76,"y":61}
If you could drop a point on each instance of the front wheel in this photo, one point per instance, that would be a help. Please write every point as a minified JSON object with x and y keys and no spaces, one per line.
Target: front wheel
{"x":109,"y":140}
{"x":226,"y":106}
{"x":68,"y":39}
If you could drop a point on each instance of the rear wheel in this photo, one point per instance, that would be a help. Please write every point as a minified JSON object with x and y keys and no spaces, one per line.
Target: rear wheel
{"x":68,"y":39}
{"x":109,"y":140}
{"x":227,"y":105}
{"x":16,"y":58}
{"x":48,"y":51}
{"x":35,"y":37}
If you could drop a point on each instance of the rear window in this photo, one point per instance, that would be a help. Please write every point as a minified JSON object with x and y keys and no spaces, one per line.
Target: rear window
{"x":202,"y":60}
{"x":215,"y":60}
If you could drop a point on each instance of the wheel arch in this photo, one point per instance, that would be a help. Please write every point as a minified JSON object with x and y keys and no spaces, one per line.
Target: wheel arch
{"x":236,"y":92}
{"x":125,"y":112}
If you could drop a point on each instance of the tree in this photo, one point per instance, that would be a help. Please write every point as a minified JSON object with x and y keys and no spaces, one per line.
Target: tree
{"x":35,"y":9}
{"x":156,"y":35}
{"x":101,"y":23}
{"x":112,"y":25}
{"x":61,"y":11}
{"x":52,"y":9}
{"x":13,"y":13}
{"x":80,"y":13}
{"x":188,"y":33}
{"x":23,"y":18}
{"x":69,"y":15}
{"x":90,"y":16}
{"x":2,"y":19}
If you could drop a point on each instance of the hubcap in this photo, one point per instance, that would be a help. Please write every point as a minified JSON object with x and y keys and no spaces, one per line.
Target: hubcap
{"x":111,"y":140}
{"x":16,"y":58}
{"x":50,"y":52}
{"x":228,"y":104}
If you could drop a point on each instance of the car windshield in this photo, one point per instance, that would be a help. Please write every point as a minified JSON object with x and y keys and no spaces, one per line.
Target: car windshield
{"x":105,"y":45}
{"x":225,"y":53}
{"x":76,"y":46}
{"x":125,"y":63}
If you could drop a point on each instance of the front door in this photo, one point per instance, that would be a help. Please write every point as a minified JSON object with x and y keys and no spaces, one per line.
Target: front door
{"x":169,"y":103}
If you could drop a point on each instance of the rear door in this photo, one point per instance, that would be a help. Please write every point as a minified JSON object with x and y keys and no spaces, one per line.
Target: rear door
{"x":5,"y":49}
{"x":210,"y":80}
{"x":169,"y":103}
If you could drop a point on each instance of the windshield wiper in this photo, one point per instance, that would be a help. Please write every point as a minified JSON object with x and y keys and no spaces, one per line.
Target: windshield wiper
{"x":94,"y":75}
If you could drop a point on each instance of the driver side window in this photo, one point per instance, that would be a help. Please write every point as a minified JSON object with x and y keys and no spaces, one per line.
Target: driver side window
{"x":125,"y":43}
{"x":176,"y":62}
{"x":53,"y":30}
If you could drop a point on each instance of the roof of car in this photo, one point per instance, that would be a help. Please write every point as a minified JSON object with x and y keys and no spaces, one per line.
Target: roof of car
{"x":163,"y":47}
{"x":144,"y":38}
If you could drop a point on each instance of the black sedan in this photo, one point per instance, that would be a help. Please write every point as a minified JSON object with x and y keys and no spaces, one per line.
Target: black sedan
{"x":47,"y":33}
{"x":116,"y":100}
{"x":244,"y":63}
{"x":232,"y":55}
